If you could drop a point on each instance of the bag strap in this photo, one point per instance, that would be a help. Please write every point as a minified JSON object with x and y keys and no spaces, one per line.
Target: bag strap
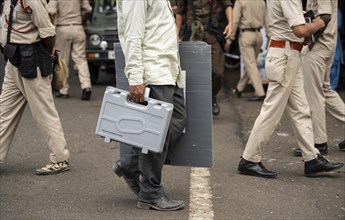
{"x":10,"y":20}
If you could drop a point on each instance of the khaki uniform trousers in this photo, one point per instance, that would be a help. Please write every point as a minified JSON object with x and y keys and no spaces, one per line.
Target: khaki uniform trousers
{"x":316,"y":68}
{"x":285,"y":93}
{"x":250,"y":45}
{"x":16,"y":93}
{"x":71,"y":40}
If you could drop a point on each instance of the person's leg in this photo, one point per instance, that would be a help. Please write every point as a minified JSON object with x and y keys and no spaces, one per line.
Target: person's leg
{"x":335,"y":106}
{"x":314,"y":67}
{"x":151,"y":164}
{"x":41,"y":102}
{"x":64,"y":42}
{"x":79,"y":57}
{"x":298,"y":110}
{"x":249,"y":42}
{"x":12,"y":105}
{"x":218,"y":60}
{"x":281,"y":71}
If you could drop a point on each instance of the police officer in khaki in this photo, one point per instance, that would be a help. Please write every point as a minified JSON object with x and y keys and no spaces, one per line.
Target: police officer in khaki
{"x":316,"y":67}
{"x":285,"y":91}
{"x":249,"y":16}
{"x":28,"y":80}
{"x":207,"y":12}
{"x":71,"y":39}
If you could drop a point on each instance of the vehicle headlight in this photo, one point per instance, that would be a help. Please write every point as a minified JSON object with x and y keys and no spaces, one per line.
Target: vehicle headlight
{"x":103,"y":45}
{"x":95,"y":39}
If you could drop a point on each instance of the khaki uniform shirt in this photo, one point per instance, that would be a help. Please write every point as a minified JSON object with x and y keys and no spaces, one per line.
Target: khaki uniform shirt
{"x":283,"y":15}
{"x":249,"y":14}
{"x":28,"y":26}
{"x":69,"y":11}
{"x":202,"y":10}
{"x":148,"y":37}
{"x":327,"y":40}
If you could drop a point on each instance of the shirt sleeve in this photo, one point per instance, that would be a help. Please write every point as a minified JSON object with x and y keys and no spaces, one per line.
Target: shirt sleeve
{"x":53,"y":6}
{"x":227,"y":3}
{"x":293,"y":12}
{"x":134,"y":16}
{"x":85,"y":5}
{"x":324,"y":7}
{"x":181,"y":7}
{"x":40,"y":18}
{"x":237,"y":11}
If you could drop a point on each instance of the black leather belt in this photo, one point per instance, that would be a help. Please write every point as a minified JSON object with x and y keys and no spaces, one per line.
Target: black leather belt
{"x":58,"y":25}
{"x":250,"y":29}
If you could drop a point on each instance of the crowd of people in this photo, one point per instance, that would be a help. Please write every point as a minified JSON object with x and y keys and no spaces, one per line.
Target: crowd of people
{"x":298,"y":67}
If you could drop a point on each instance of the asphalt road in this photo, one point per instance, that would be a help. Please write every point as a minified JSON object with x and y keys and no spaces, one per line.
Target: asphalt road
{"x":90,"y":190}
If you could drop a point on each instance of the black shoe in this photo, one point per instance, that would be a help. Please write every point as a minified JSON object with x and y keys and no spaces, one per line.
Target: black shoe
{"x":61,"y":96}
{"x":131,"y":180}
{"x":86,"y":94}
{"x":320,"y":164}
{"x":255,"y":169}
{"x":341,"y":145}
{"x":162,"y":204}
{"x":323,"y":148}
{"x":257,"y":98}
{"x":237,"y":93}
{"x":215,"y":107}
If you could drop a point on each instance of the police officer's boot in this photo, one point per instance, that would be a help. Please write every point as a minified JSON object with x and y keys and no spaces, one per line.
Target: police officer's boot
{"x":216,"y":86}
{"x":215,"y":107}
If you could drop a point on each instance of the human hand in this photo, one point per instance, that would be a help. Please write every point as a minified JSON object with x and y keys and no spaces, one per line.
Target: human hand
{"x":227,"y":31}
{"x":52,"y":17}
{"x":54,"y":54}
{"x":136,"y":93}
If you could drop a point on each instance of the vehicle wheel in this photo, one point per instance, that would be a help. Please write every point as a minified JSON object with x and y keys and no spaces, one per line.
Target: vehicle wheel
{"x":232,"y":61}
{"x":94,"y":73}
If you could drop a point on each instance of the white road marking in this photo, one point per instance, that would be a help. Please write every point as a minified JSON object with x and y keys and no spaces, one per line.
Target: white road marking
{"x":200,"y":207}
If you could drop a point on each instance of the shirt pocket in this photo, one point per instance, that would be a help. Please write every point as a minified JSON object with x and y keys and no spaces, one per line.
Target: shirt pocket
{"x":275,"y":66}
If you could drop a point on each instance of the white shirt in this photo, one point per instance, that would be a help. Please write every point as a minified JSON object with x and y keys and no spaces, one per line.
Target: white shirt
{"x":283,"y":15}
{"x":148,"y":37}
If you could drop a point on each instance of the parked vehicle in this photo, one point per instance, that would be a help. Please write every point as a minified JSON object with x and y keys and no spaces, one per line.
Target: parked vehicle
{"x":101,"y":34}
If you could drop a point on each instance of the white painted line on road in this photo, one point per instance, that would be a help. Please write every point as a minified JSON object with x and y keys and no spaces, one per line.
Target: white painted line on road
{"x":200,"y":195}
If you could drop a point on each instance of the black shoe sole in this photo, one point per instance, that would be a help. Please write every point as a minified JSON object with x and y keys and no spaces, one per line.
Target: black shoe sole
{"x":323,"y":171}
{"x":147,"y":206}
{"x":51,"y":173}
{"x":61,"y":96}
{"x":119,"y":173}
{"x":257,"y":175}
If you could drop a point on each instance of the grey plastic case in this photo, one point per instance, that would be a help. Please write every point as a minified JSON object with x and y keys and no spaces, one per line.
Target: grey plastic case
{"x":139,"y":125}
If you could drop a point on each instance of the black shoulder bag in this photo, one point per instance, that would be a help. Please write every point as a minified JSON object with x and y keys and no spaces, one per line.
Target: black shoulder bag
{"x":27,"y":57}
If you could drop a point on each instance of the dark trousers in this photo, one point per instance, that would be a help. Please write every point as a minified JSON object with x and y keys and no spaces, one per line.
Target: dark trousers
{"x":150,"y":165}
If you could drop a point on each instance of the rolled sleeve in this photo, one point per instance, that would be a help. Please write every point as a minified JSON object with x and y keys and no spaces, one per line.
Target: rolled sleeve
{"x":41,"y":20}
{"x":325,"y":7}
{"x":46,"y":32}
{"x":52,"y":6}
{"x":227,"y":3}
{"x":293,"y":12}
{"x":180,"y":7}
{"x":85,"y":5}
